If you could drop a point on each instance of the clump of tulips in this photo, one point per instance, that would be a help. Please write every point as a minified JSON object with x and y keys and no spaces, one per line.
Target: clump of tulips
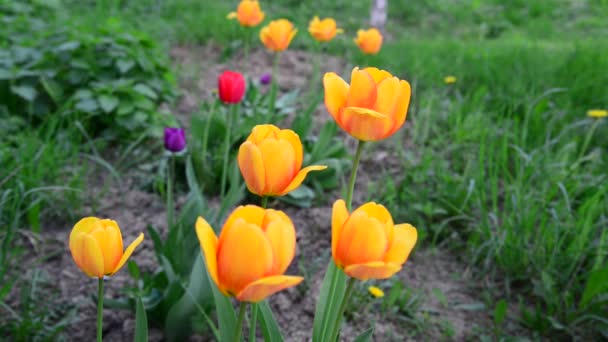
{"x":247,"y":261}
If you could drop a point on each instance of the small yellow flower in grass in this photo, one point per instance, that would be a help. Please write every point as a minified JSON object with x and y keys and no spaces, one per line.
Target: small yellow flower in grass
{"x":376,"y":291}
{"x":449,"y":79}
{"x":597,"y":113}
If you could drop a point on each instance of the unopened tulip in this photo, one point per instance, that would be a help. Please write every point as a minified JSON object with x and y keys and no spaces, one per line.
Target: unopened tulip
{"x":248,"y":13}
{"x":175,"y":139}
{"x":277,"y":35}
{"x":270,"y":161}
{"x":231,"y":87}
{"x":366,"y":244}
{"x":373,"y":107}
{"x":369,"y":41}
{"x":323,"y":30}
{"x":253,"y":251}
{"x":96,"y":246}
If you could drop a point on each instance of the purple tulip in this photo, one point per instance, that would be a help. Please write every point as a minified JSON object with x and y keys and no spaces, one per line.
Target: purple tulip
{"x":175,"y":139}
{"x":266,"y":79}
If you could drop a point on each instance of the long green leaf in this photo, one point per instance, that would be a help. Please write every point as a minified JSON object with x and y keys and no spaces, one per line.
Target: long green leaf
{"x":365,"y":336}
{"x":328,"y":303}
{"x":270,"y":327}
{"x":141,"y":322}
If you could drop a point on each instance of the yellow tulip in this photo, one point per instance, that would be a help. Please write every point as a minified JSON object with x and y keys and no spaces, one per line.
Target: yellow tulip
{"x":277,"y":35}
{"x":323,"y":30}
{"x":373,"y":107}
{"x":253,"y":251}
{"x":270,"y":161}
{"x":366,"y":244}
{"x":248,"y":13}
{"x":369,"y":41}
{"x":96,"y":246}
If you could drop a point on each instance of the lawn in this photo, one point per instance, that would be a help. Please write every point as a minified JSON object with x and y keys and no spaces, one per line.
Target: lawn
{"x":500,"y":166}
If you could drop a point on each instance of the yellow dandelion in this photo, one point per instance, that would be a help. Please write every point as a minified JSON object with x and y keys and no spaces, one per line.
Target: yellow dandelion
{"x":597,"y":113}
{"x":449,"y":79}
{"x":376,"y":291}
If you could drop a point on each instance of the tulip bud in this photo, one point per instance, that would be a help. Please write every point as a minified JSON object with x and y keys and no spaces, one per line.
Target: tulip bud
{"x":254,"y":249}
{"x":248,"y":13}
{"x":175,"y":139}
{"x":366,"y":244}
{"x":96,"y":247}
{"x":277,"y":35}
{"x":369,"y":41}
{"x":270,"y":161}
{"x":323,"y":30}
{"x":373,"y":107}
{"x":266,"y":79}
{"x":231,"y":87}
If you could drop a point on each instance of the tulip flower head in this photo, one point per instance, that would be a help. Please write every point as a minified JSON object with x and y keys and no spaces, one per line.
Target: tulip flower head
{"x":96,"y":246}
{"x":270,"y":161}
{"x":248,"y":13}
{"x":266,"y":79}
{"x":231,"y":87}
{"x":597,"y":113}
{"x":277,"y":35}
{"x":369,"y":41}
{"x":373,"y":107}
{"x":175,"y":139}
{"x":366,"y":244}
{"x":253,"y":251}
{"x":323,"y":30}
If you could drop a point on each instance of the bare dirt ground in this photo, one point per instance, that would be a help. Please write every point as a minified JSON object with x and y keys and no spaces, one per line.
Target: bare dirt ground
{"x":430,"y":272}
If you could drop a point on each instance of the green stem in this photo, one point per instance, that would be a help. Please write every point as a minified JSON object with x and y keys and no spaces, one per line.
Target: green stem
{"x":315,"y":70}
{"x":353,"y":175}
{"x":233,"y":109}
{"x":239,"y":322}
{"x":170,"y":182}
{"x":274,"y":85}
{"x":253,"y":323}
{"x":247,"y":42}
{"x":588,"y":138}
{"x":264,"y":201}
{"x":100,"y":310}
{"x":207,"y":127}
{"x":349,"y":290}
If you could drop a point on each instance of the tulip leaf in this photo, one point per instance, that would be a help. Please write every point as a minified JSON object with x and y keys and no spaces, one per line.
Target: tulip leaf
{"x":270,"y":327}
{"x":596,"y":284}
{"x":328,"y":303}
{"x":141,"y":322}
{"x":365,"y":336}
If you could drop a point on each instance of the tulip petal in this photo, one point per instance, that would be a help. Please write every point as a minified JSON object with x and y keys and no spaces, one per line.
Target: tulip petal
{"x":403,"y":103}
{"x":91,"y":257}
{"x":244,"y":255}
{"x":336,"y":91}
{"x":363,"y":239}
{"x":299,"y":178}
{"x":372,"y":270}
{"x":85,"y":225}
{"x":109,"y":239}
{"x":252,"y":167}
{"x":404,"y":240}
{"x":339,"y":215}
{"x":128,"y":253}
{"x":290,"y":38}
{"x":279,"y":160}
{"x":261,"y":132}
{"x":267,"y":286}
{"x":388,"y":96}
{"x":378,"y":75}
{"x":208,"y":241}
{"x":362,"y":91}
{"x":250,"y":213}
{"x":366,"y":124}
{"x":293,"y":139}
{"x":76,"y":248}
{"x":379,"y":212}
{"x":282,"y":237}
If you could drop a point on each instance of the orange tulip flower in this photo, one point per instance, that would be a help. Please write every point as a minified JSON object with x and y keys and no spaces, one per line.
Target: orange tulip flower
{"x":270,"y":161}
{"x":277,"y":35}
{"x":96,"y":246}
{"x":248,"y":13}
{"x":253,"y":251}
{"x":369,"y":41}
{"x":366,"y":244}
{"x":373,"y":107}
{"x":323,"y":30}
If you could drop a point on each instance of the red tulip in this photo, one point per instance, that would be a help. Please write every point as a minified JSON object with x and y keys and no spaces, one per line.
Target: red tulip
{"x":231,"y":86}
